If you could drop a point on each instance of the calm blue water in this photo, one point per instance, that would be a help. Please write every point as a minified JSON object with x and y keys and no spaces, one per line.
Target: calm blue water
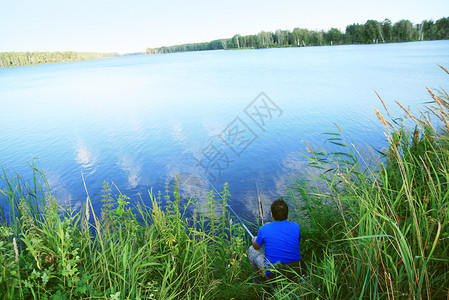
{"x":137,"y":121}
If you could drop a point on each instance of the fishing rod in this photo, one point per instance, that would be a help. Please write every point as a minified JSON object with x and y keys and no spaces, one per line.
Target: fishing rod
{"x":260,"y":205}
{"x":230,"y":208}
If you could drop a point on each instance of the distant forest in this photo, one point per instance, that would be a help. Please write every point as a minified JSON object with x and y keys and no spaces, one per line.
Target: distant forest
{"x":369,"y":33}
{"x":12,"y":59}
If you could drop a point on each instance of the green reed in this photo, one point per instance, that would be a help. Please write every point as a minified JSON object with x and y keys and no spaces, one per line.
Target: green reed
{"x":390,"y":238}
{"x":14,"y":190}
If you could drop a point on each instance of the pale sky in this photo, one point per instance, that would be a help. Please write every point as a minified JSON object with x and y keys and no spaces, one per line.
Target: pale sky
{"x":132,"y":26}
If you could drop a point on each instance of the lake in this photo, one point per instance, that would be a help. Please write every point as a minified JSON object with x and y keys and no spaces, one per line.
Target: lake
{"x":229,"y":116}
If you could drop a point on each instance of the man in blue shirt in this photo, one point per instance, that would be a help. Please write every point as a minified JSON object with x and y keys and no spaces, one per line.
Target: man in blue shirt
{"x":279,"y":238}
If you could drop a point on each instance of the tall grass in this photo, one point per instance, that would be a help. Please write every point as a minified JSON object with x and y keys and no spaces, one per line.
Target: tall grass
{"x":15,"y":191}
{"x":392,"y":236}
{"x":144,"y":252}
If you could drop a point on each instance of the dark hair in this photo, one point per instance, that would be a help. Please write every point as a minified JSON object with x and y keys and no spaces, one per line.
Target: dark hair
{"x":279,"y":209}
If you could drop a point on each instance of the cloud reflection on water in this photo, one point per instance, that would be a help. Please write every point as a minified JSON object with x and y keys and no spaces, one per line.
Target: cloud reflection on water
{"x":85,"y":158}
{"x":132,"y":169}
{"x":60,"y":191}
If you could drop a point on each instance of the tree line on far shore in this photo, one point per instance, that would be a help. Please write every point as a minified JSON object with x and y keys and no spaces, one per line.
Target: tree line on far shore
{"x":369,"y":33}
{"x":13,"y":59}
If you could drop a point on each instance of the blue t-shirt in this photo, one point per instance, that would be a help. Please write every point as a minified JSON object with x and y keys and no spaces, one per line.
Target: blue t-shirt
{"x":281,"y":241}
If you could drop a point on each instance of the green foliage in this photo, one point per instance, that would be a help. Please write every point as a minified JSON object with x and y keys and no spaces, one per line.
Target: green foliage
{"x":369,"y":33}
{"x":318,"y":217}
{"x":9,"y":267}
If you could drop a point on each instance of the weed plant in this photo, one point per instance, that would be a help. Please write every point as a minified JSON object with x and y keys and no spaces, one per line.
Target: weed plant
{"x":145,"y":252}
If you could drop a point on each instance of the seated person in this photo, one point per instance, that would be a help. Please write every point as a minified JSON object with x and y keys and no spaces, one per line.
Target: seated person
{"x":280,"y":240}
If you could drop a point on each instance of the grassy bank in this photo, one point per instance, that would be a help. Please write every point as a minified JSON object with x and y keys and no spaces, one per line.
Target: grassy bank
{"x":48,"y":251}
{"x":370,"y":231}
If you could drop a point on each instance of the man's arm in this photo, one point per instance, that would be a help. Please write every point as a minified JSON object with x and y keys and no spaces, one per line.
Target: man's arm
{"x":255,"y":244}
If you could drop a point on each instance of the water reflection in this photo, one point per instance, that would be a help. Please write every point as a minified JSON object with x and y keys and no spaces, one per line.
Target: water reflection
{"x":61,"y":191}
{"x":196,"y":187}
{"x":133,"y":170}
{"x":85,"y":158}
{"x":140,"y":120}
{"x":178,"y":133}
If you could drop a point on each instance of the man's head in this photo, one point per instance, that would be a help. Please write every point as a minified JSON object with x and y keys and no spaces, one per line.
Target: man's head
{"x":279,"y":210}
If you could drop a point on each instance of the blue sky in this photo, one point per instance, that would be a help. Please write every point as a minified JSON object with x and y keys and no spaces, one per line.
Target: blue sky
{"x":132,"y":26}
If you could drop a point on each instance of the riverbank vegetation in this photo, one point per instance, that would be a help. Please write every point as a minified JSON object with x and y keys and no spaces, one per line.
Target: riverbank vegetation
{"x":380,"y":231}
{"x":50,"y":252}
{"x":14,"y":59}
{"x":369,"y":33}
{"x":369,"y":231}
